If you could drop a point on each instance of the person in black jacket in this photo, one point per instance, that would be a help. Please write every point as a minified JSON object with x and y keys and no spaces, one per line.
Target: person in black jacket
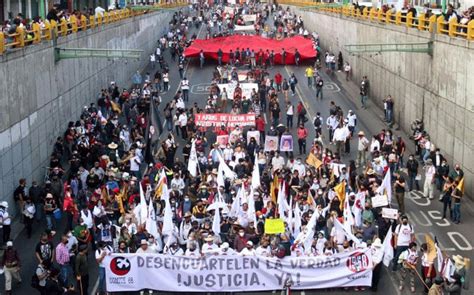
{"x":52,"y":284}
{"x":412,"y":167}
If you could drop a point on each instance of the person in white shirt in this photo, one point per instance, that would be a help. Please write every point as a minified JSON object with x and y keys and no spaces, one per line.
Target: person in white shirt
{"x":248,"y":250}
{"x":339,"y":138}
{"x":155,"y":245}
{"x":173,"y":250}
{"x":185,"y":228}
{"x":183,"y":122}
{"x":209,"y":248}
{"x":403,"y":235}
{"x":135,"y":163}
{"x":177,"y":183}
{"x":152,"y":60}
{"x":144,"y":247}
{"x":362,"y":147}
{"x":226,"y":250}
{"x":299,"y":166}
{"x":351,"y":121}
{"x":374,"y":145}
{"x":264,"y":249}
{"x":192,"y":250}
{"x":331,"y":123}
{"x":185,"y":88}
{"x":277,"y":162}
{"x":320,"y":242}
{"x":409,"y":259}
{"x":429,"y":185}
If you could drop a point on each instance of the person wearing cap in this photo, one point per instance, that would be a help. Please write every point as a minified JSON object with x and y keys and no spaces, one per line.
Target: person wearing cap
{"x":185,"y":228}
{"x":362,"y":148}
{"x":5,"y":221}
{"x":11,"y":265}
{"x":82,"y":270}
{"x":248,"y":250}
{"x":225,"y":249}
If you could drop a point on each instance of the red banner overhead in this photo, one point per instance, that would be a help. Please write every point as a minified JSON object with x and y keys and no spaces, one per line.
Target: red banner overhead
{"x":226,"y":44}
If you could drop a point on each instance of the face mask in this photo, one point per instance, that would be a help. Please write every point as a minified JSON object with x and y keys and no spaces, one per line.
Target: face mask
{"x":186,"y":199}
{"x":405,"y":222}
{"x":241,"y":234}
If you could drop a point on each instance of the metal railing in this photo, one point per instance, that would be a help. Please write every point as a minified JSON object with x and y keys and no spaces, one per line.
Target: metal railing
{"x":52,"y":29}
{"x":433,"y":23}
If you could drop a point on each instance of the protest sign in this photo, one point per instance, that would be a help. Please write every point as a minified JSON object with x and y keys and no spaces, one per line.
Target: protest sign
{"x":222,"y":140}
{"x":249,"y":18}
{"x":313,"y":161}
{"x":390,"y":213}
{"x":246,"y":89}
{"x":271,"y":143}
{"x":255,"y":134}
{"x":379,"y":201}
{"x":234,"y":273}
{"x":274,"y":226}
{"x":209,"y":120}
{"x":286,"y":143}
{"x":244,"y":28}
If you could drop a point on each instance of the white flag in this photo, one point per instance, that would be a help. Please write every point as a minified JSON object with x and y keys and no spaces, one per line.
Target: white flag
{"x":228,"y":173}
{"x":439,"y":258}
{"x":282,"y":202}
{"x":216,"y":222}
{"x":235,"y":208}
{"x":289,"y":219}
{"x":255,"y":175}
{"x":387,"y":248}
{"x":193,"y":161}
{"x":220,"y":175}
{"x":357,"y":208}
{"x":251,"y":210}
{"x":348,"y":218}
{"x":297,"y":220}
{"x":349,"y":234}
{"x":143,"y":206}
{"x":150,"y":224}
{"x":168,"y":225}
{"x":387,"y":186}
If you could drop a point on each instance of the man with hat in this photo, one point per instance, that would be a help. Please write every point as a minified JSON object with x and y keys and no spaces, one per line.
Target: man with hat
{"x":185,"y":228}
{"x":209,"y":247}
{"x":226,"y":250}
{"x":362,"y":148}
{"x":144,"y":247}
{"x":248,"y":250}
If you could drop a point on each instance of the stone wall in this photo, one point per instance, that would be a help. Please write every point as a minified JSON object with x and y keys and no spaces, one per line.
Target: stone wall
{"x":38,"y":97}
{"x":437,"y":88}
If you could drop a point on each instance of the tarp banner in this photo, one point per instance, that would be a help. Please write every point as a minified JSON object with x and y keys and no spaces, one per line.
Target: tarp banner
{"x":210,"y":120}
{"x":234,"y":273}
{"x":210,"y":47}
{"x":246,"y":89}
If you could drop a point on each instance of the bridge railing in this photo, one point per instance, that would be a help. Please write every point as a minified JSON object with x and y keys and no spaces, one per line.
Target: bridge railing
{"x":51,"y":29}
{"x":423,"y":22}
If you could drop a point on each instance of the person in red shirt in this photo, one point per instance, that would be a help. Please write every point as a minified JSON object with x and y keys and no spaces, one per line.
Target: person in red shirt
{"x":302,"y":135}
{"x":260,"y":126}
{"x":222,"y":131}
{"x":278,"y":80}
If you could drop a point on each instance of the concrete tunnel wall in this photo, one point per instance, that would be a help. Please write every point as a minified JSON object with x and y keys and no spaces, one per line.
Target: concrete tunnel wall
{"x":38,"y":97}
{"x":438,"y":88}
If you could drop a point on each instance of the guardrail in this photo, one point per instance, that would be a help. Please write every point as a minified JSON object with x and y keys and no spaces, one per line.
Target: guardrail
{"x":52,"y":29}
{"x":433,"y":23}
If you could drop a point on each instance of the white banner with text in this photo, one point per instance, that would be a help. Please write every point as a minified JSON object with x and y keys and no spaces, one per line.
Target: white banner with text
{"x":232,"y":273}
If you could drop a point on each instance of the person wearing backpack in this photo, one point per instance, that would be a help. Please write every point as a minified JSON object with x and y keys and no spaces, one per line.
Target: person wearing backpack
{"x":318,"y":123}
{"x":403,"y":236}
{"x":11,"y":265}
{"x":38,"y":281}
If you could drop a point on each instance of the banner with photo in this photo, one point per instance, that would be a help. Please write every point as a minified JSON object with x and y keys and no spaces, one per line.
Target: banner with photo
{"x":234,"y":273}
{"x":286,"y":143}
{"x":222,"y":140}
{"x":255,"y":134}
{"x":271,"y":143}
{"x":246,"y":89}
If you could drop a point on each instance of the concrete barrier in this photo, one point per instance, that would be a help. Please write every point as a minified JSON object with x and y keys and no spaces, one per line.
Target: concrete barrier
{"x":437,"y":88}
{"x":38,"y":97}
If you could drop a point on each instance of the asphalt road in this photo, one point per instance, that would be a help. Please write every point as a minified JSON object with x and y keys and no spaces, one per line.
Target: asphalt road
{"x":424,"y":214}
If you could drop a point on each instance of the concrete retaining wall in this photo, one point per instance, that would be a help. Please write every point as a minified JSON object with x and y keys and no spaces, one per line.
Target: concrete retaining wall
{"x":38,"y":97}
{"x":438,"y":88}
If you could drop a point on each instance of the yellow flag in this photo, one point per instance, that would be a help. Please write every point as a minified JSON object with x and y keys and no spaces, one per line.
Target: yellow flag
{"x":115,"y":107}
{"x":104,"y":195}
{"x":273,"y":188}
{"x":340,"y":190}
{"x":460,"y":186}
{"x":313,"y":161}
{"x":310,"y":200}
{"x":274,"y":226}
{"x":120,"y":198}
{"x":431,"y":248}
